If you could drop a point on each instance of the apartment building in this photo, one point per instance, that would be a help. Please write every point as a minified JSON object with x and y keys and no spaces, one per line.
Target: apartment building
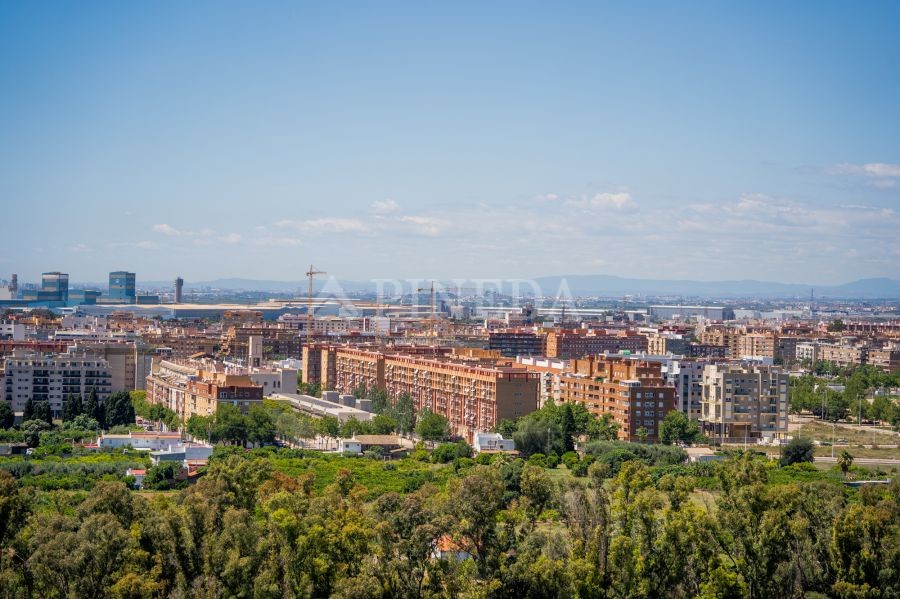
{"x":472,"y":395}
{"x":842,"y":355}
{"x":518,"y":343}
{"x":743,"y":401}
{"x":687,"y":378}
{"x":52,"y":378}
{"x":579,"y":343}
{"x":129,"y":362}
{"x":757,"y":345}
{"x":887,"y":358}
{"x":663,"y":343}
{"x":632,"y":392}
{"x":722,"y":336}
{"x":190,"y":389}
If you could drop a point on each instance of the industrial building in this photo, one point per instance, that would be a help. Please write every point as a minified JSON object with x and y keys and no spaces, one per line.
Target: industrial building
{"x":685,"y":312}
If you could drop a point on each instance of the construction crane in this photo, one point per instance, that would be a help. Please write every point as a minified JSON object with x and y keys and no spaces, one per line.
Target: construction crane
{"x":309,"y":300}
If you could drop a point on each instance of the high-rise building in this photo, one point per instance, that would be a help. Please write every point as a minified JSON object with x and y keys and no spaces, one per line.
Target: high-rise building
{"x":744,"y":401}
{"x":179,"y":289}
{"x":55,"y":286}
{"x":122,"y":287}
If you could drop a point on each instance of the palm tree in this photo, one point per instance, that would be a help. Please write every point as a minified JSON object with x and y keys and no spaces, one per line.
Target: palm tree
{"x":844,"y":461}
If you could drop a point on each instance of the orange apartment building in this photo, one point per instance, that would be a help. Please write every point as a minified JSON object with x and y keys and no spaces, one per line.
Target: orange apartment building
{"x":472,"y":394}
{"x":579,"y":343}
{"x":632,"y":391}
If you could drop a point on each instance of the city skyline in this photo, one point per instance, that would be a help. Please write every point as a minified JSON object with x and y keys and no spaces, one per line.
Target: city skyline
{"x":703,"y":142}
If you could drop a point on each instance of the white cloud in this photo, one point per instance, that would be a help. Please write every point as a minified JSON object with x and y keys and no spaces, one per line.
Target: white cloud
{"x":325,"y":225}
{"x":387,"y":206}
{"x":424,"y":225}
{"x":80,"y":248}
{"x":231,"y":238}
{"x":871,"y":169}
{"x":277,"y":241}
{"x":881,"y":175}
{"x":620,"y":201}
{"x":165,"y":229}
{"x":143,"y":245}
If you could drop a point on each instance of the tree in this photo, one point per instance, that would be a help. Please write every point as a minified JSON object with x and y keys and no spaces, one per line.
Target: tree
{"x":200,"y":427}
{"x":797,"y":451}
{"x":68,"y":408}
{"x":259,"y":425}
{"x":603,"y":428}
{"x":43,"y":412}
{"x":537,"y":487}
{"x":28,"y":412}
{"x":33,"y":429}
{"x":78,"y":406}
{"x":539,"y":432}
{"x":433,"y":427}
{"x":567,"y":425}
{"x":7,"y":416}
{"x":836,"y":326}
{"x":642,"y":434}
{"x":678,"y":427}
{"x":383,"y":425}
{"x":230,"y":425}
{"x":405,"y":414}
{"x":119,"y":409}
{"x":329,"y":427}
{"x":844,"y":461}
{"x":506,"y":428}
{"x":95,"y":409}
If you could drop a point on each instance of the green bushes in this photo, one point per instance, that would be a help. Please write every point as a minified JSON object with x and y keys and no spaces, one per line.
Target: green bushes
{"x":616,"y":453}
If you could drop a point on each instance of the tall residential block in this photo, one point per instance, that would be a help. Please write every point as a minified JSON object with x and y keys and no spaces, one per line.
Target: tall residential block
{"x":633,"y":392}
{"x":742,"y":401}
{"x":179,"y":289}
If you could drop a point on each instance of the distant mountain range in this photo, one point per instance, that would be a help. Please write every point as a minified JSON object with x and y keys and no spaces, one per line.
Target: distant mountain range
{"x":602,"y":285}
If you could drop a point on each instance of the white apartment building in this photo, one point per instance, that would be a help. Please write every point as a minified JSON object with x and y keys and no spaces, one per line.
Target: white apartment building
{"x":53,"y":378}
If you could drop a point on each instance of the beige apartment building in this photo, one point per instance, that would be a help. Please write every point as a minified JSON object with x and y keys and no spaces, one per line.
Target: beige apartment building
{"x":188,"y":389}
{"x":742,"y":401}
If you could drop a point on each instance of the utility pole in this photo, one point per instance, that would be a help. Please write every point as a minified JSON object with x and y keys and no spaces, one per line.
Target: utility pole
{"x":309,"y":301}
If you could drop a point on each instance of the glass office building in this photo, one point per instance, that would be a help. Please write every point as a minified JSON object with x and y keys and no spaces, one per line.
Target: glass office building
{"x":54,"y":287}
{"x":122,"y":286}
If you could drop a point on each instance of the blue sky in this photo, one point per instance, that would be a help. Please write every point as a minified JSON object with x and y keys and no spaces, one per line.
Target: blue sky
{"x":666,"y":140}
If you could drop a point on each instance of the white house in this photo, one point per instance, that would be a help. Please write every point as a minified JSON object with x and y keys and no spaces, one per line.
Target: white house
{"x":492,"y":442}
